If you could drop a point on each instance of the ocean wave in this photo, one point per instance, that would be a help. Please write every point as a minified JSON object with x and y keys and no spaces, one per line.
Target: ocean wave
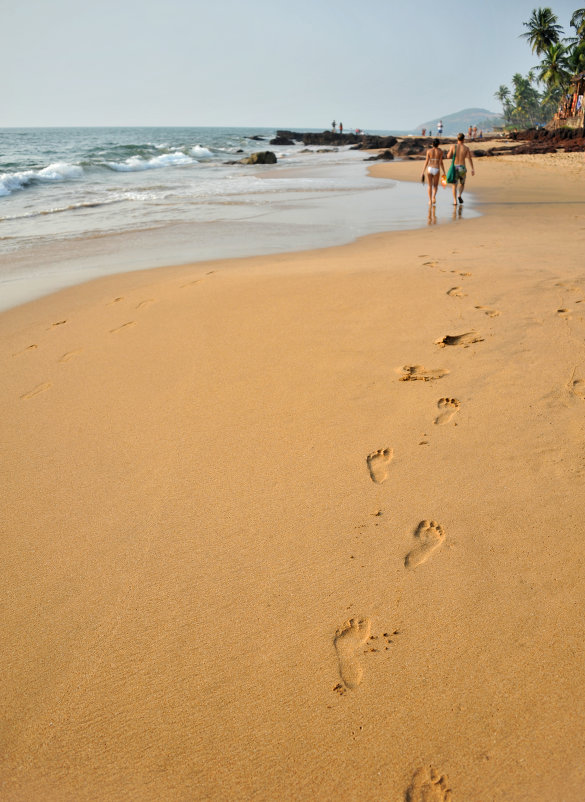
{"x":137,"y":163}
{"x":56,"y":210}
{"x":201,"y":152}
{"x":59,"y":171}
{"x":90,"y":204}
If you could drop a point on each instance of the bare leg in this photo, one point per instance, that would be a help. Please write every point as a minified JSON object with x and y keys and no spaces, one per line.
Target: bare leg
{"x":461,"y":188}
{"x":429,"y":179}
{"x":436,"y":179}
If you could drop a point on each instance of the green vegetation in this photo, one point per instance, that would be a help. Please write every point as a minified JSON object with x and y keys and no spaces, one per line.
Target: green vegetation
{"x":533,"y":99}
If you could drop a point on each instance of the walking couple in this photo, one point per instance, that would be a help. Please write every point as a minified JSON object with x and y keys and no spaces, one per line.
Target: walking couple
{"x":433,"y":168}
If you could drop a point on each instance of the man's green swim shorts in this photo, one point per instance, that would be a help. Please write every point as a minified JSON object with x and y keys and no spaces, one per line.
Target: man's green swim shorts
{"x":460,"y":172}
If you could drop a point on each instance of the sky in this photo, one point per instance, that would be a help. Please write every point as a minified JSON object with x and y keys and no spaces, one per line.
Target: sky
{"x":280,"y":64}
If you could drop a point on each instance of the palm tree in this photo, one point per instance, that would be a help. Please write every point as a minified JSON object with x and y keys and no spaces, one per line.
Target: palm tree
{"x":554,"y":69}
{"x":578,"y":22}
{"x":576,"y":57}
{"x":526,"y":108}
{"x":503,"y":95}
{"x":543,"y":30}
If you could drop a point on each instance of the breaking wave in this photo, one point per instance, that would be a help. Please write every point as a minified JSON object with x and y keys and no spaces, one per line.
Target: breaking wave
{"x":135,"y":164}
{"x":60,"y":171}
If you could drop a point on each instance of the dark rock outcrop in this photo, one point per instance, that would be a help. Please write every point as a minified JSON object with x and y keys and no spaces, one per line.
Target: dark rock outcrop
{"x":543,"y":140}
{"x":410,"y":146}
{"x":281,"y":140}
{"x":386,"y":155}
{"x":262,"y":157}
{"x":359,"y":141}
{"x":367,"y":142}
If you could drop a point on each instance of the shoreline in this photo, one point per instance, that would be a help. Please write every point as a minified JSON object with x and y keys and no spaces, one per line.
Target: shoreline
{"x":319,"y":204}
{"x":309,"y":528}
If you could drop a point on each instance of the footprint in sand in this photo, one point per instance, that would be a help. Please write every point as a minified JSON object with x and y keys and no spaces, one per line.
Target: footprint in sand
{"x":430,"y":536}
{"x":349,"y":639}
{"x":449,"y":407}
{"x":378,"y":462}
{"x":70,"y":354}
{"x":564,"y":313}
{"x":466,"y":339}
{"x":489,"y":311}
{"x":145,"y":304}
{"x":115,"y":300}
{"x":37,"y":390}
{"x":28,"y":348}
{"x":427,"y":785}
{"x":456,"y":292}
{"x":190,"y":283}
{"x":577,"y":387}
{"x":123,"y":326}
{"x":571,"y":287}
{"x":413,"y":373}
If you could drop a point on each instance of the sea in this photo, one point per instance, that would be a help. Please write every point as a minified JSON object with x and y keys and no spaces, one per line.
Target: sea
{"x":80,"y":203}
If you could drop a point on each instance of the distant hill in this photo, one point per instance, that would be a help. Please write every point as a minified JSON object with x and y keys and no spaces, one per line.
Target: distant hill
{"x":461,"y":120}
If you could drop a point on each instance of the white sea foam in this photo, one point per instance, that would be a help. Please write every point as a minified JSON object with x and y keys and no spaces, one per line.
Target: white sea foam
{"x":60,"y":171}
{"x":201,"y":152}
{"x":137,"y":163}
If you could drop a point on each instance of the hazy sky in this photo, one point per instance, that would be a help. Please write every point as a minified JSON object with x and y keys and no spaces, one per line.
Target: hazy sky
{"x":286,"y":64}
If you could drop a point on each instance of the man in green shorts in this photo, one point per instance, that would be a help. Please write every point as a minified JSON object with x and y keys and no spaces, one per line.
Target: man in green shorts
{"x":462,"y":153}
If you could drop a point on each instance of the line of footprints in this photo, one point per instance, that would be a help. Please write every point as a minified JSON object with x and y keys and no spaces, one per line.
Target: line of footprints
{"x":427,"y":785}
{"x":66,"y":357}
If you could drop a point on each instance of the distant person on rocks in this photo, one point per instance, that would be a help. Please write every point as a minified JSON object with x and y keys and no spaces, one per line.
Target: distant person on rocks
{"x":341,"y":128}
{"x":433,"y":169}
{"x":333,"y":126}
{"x":462,"y":153}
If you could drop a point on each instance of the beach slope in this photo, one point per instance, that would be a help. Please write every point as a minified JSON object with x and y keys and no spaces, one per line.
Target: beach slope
{"x":306,"y":526}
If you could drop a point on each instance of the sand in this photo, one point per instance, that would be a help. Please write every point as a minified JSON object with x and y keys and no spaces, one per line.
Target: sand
{"x":306,"y":527}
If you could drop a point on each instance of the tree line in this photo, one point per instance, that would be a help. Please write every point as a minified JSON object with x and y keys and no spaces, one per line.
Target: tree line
{"x":534,"y":98}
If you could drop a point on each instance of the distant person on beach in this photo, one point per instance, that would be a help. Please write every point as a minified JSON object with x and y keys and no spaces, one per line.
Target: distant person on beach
{"x":423,"y":132}
{"x":440,"y":128}
{"x":475,"y":131}
{"x":462,"y":153}
{"x":469,"y":132}
{"x":433,"y":169}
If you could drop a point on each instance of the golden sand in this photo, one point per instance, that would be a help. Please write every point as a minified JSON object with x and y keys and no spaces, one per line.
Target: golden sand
{"x":308,"y":526}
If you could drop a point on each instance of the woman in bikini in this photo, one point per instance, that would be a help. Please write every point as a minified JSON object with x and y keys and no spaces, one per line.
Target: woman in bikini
{"x":433,"y":169}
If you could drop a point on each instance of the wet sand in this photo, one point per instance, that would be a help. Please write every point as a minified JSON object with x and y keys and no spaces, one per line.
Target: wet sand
{"x":306,"y":526}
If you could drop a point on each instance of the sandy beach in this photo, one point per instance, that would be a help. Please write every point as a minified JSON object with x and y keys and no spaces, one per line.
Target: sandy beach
{"x":306,"y":526}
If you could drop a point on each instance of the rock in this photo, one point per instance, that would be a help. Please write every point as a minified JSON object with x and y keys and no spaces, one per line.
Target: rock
{"x":281,"y":140}
{"x":290,"y":135}
{"x":257,"y":138}
{"x":410,"y":146}
{"x":262,"y":157}
{"x":386,"y":155}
